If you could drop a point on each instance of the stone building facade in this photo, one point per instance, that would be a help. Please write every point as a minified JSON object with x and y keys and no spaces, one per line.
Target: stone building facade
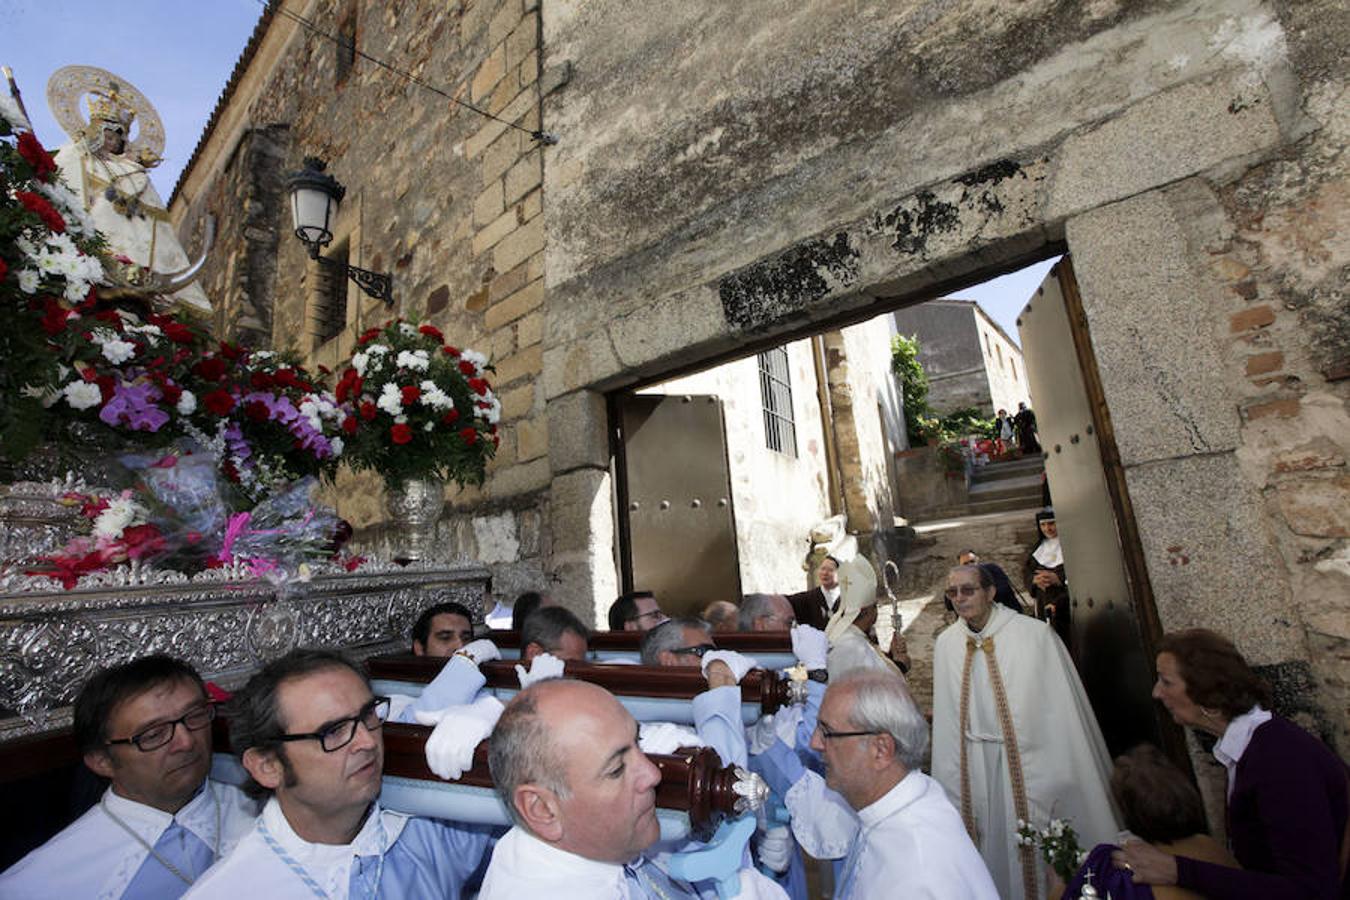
{"x":730,"y":177}
{"x":969,"y":360}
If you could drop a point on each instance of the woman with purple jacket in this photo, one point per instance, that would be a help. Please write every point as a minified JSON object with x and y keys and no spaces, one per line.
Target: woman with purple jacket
{"x":1288,"y":794}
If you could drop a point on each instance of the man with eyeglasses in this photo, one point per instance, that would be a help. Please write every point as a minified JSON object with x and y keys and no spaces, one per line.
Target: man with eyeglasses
{"x":1013,"y":734}
{"x":910,"y":841}
{"x":636,"y":611}
{"x":144,"y":726}
{"x":308,"y":731}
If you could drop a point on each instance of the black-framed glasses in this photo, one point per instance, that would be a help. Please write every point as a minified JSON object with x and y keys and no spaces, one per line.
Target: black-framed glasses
{"x":830,"y":734}
{"x":161,"y":733}
{"x":651,"y":612}
{"x":336,"y":735}
{"x":697,"y":650}
{"x":965,"y":590}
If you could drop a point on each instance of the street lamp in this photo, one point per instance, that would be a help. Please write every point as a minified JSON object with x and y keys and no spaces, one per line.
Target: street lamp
{"x":315,"y":196}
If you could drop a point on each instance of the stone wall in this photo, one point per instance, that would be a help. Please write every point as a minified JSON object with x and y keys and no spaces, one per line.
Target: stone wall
{"x":1004,"y":369}
{"x":951,"y":353}
{"x":728,"y":176}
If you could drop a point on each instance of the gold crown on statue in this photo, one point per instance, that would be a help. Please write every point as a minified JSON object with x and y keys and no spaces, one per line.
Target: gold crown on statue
{"x":109,"y":107}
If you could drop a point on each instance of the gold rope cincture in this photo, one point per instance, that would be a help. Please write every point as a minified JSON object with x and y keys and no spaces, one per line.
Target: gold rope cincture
{"x":1010,"y":749}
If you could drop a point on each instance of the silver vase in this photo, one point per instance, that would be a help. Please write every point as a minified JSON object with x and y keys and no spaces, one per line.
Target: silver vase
{"x":414,"y":506}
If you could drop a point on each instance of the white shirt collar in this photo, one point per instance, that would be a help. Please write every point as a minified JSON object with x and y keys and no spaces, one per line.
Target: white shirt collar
{"x":524,"y":855}
{"x":999,"y":616}
{"x":905,"y":792}
{"x":325,"y":860}
{"x":200,"y":815}
{"x":1236,"y":737}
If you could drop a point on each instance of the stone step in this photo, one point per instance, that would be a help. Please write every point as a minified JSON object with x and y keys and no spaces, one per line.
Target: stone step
{"x":1029,"y":485}
{"x":1002,"y":471}
{"x":1003,"y":504}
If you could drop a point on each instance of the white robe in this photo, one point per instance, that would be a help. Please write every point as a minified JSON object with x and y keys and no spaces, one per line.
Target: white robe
{"x":1065,"y":766}
{"x":913,"y":845}
{"x":95,"y":858}
{"x":852,"y":650}
{"x":147,"y":240}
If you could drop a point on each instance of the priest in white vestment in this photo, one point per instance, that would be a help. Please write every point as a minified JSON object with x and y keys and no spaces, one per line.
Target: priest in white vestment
{"x":852,"y":621}
{"x":1013,"y":734}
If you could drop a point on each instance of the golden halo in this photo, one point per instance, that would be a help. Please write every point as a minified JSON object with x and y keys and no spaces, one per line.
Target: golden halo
{"x":69,"y":85}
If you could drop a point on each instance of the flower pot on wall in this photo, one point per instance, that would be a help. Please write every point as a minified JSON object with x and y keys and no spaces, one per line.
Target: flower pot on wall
{"x":414,"y":506}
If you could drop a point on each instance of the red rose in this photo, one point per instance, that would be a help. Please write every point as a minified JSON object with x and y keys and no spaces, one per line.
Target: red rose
{"x":36,"y":156}
{"x":255,"y":410}
{"x":410,"y":394}
{"x":219,"y":402}
{"x":451,"y":417}
{"x":367,"y":410}
{"x":468,"y":435}
{"x":212,"y":368}
{"x":468,"y":368}
{"x":349,"y":424}
{"x":400,"y":434}
{"x":478,"y":386}
{"x":37,"y":204}
{"x":432,"y":331}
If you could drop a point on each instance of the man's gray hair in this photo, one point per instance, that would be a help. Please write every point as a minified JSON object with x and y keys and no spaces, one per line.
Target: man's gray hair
{"x":520,"y":750}
{"x":755,"y":606}
{"x":882,"y":702}
{"x":669,"y":635}
{"x":547,"y":626}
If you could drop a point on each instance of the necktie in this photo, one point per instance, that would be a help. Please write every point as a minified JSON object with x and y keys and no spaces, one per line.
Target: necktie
{"x":178,"y":848}
{"x":655,"y":884}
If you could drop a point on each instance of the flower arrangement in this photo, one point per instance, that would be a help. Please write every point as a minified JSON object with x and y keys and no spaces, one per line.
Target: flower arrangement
{"x":419,"y":407}
{"x":1058,"y":843}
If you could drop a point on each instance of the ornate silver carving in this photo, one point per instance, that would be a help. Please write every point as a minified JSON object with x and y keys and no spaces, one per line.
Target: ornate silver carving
{"x":751,"y":791}
{"x":416,"y":504}
{"x":226,"y":625}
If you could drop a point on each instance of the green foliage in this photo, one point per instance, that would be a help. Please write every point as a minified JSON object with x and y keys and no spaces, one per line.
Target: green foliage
{"x":905,"y":365}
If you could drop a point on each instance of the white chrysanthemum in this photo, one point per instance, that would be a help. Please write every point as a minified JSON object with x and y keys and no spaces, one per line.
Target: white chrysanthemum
{"x":118,"y":352}
{"x":434,"y":397}
{"x":82,"y":394}
{"x":359,"y":361}
{"x":121,"y":513}
{"x":391,"y":400}
{"x":409,"y":330}
{"x":151,"y":330}
{"x":262,"y":354}
{"x":187,"y":403}
{"x":429,"y":426}
{"x":377,"y":350}
{"x":400,"y":420}
{"x":337,"y":444}
{"x":474,"y":357}
{"x":413,"y":359}
{"x":28,"y":281}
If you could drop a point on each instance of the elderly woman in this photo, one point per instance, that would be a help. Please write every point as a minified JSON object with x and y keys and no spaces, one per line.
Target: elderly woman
{"x":1288,"y":795}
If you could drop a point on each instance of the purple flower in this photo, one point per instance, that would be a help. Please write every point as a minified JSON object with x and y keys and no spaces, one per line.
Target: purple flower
{"x":133,"y":405}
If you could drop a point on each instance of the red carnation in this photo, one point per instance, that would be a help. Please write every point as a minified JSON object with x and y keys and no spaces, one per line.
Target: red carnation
{"x":36,"y":203}
{"x":3,"y":269}
{"x":468,"y":368}
{"x":400,"y":434}
{"x":450,"y":351}
{"x":368,"y":335}
{"x":231,"y":351}
{"x":256,"y":410}
{"x":260,"y":381}
{"x":170,"y":391}
{"x":212,"y":368}
{"x":31,"y":149}
{"x":286,"y":378}
{"x":54,"y":317}
{"x":478,"y":386}
{"x":106,"y":386}
{"x":410,"y":394}
{"x":219,"y":402}
{"x":367,"y":410}
{"x":348,"y":386}
{"x":468,"y":435}
{"x":349,"y":424}
{"x":432,"y":331}
{"x":451,"y":417}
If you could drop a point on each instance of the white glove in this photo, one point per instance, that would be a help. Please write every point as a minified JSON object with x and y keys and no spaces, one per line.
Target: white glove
{"x":480,"y":651}
{"x":810,"y":646}
{"x":775,"y":848}
{"x":542,"y":667}
{"x":458,"y":732}
{"x":738,"y":663}
{"x":666,"y":737}
{"x":761,"y":735}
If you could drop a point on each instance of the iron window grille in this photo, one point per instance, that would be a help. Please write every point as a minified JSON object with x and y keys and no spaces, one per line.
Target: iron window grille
{"x":775,"y":388}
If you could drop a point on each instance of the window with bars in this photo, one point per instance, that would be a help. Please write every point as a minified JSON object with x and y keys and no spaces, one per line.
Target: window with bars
{"x":775,"y":389}
{"x":329,"y":316}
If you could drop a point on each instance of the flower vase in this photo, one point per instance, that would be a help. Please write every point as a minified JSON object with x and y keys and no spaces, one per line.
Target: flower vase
{"x":414,"y":506}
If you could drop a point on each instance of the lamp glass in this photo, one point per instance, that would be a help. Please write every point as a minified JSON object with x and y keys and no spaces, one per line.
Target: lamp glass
{"x":313,"y":211}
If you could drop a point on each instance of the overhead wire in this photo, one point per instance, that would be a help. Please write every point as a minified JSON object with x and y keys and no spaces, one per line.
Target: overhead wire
{"x":309,"y":25}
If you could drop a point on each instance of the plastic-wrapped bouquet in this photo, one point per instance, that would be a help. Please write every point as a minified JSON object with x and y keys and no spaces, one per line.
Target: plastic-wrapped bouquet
{"x":419,"y":407}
